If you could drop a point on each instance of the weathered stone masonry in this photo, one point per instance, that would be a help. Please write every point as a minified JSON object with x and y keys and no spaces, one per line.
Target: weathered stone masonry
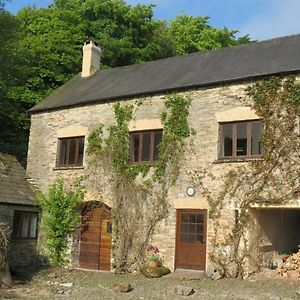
{"x":47,"y":127}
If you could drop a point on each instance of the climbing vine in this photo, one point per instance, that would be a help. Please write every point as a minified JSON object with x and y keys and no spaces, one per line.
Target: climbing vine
{"x":139,"y":192}
{"x":272,"y":180}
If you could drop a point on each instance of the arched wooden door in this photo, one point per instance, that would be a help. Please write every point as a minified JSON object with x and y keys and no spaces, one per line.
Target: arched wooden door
{"x":95,"y":239}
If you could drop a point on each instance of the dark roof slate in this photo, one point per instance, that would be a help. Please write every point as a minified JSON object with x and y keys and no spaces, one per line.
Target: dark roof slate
{"x":14,"y":188}
{"x":239,"y":63}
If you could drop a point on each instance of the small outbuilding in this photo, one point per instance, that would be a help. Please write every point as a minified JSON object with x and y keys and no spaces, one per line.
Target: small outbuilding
{"x":18,"y":207}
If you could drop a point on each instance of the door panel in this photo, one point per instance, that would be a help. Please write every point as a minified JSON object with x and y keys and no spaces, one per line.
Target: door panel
{"x":191,"y":239}
{"x":95,"y":240}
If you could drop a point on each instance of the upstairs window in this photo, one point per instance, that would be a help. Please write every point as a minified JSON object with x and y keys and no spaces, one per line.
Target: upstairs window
{"x":240,"y":139}
{"x":25,"y":224}
{"x":70,"y":152}
{"x":144,"y":146}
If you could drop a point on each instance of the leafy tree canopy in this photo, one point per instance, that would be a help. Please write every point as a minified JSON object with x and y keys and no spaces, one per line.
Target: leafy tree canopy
{"x":42,"y":49}
{"x":192,"y":34}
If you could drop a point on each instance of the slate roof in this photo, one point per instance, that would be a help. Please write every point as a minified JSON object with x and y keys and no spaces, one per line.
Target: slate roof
{"x":14,"y":188}
{"x":239,"y":63}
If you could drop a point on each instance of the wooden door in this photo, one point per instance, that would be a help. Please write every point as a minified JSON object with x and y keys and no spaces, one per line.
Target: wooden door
{"x":95,"y":240}
{"x":191,"y":239}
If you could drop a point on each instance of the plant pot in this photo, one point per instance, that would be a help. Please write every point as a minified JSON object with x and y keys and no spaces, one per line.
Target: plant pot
{"x":153,"y":264}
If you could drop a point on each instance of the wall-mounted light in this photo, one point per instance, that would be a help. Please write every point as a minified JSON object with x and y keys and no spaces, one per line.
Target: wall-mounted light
{"x":190,"y":191}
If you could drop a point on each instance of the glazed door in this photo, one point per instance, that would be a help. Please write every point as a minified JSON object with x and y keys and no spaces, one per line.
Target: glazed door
{"x":191,"y":239}
{"x":95,"y":240}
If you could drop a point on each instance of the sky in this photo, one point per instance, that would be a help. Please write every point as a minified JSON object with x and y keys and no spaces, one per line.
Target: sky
{"x":261,"y":19}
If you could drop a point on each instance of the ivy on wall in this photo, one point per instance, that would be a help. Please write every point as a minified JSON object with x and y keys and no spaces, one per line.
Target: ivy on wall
{"x":271,"y":180}
{"x":139,"y":192}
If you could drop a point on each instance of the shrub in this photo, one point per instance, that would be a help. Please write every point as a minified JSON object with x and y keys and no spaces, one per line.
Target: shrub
{"x":60,"y":218}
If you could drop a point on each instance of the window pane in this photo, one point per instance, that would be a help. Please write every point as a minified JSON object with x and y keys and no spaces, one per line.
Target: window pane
{"x":184,"y":238}
{"x":80,"y":152}
{"x":187,"y":239}
{"x":146,"y":147}
{"x":241,"y":142}
{"x":191,"y":239}
{"x":199,"y":228}
{"x":68,"y":150}
{"x":199,"y":219}
{"x":72,"y":151}
{"x":184,"y":228}
{"x":256,"y":145}
{"x":192,"y":228}
{"x":25,"y":224}
{"x":63,"y":152}
{"x":135,"y":145}
{"x":157,"y":140}
{"x":33,"y":226}
{"x":227,"y":133}
{"x":192,"y":218}
{"x":184,"y":218}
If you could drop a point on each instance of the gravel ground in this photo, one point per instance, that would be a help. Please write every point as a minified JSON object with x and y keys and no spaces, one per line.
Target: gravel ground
{"x":90,"y":285}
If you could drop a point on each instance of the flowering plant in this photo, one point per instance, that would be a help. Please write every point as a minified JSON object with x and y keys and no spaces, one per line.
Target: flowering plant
{"x":153,"y":255}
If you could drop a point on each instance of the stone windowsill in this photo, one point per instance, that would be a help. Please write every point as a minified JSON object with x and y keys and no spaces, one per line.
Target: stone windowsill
{"x":236,"y":160}
{"x":67,"y":168}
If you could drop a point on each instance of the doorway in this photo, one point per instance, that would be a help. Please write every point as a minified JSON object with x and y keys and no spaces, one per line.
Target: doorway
{"x":191,"y":228}
{"x":95,"y":239}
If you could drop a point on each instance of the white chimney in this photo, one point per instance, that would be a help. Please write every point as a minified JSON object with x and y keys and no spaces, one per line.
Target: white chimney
{"x":91,"y":59}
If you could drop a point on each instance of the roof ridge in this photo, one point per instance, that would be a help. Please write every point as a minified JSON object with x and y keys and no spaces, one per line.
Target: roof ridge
{"x":198,"y":53}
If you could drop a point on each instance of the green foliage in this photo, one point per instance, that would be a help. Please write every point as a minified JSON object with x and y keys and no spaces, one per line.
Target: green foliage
{"x":176,"y":129}
{"x":13,"y":115}
{"x":115,"y":147}
{"x":192,"y":34}
{"x":41,"y":50}
{"x":95,"y":141}
{"x":145,"y":199}
{"x":272,"y":180}
{"x":60,"y":218}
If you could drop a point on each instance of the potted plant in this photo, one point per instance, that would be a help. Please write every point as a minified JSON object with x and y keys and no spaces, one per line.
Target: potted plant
{"x":153,"y":266}
{"x":152,"y":258}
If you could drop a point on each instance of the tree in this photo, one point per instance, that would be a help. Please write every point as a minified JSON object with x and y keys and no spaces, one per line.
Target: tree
{"x":41,"y":50}
{"x":13,"y":116}
{"x":193,"y":34}
{"x":2,"y":3}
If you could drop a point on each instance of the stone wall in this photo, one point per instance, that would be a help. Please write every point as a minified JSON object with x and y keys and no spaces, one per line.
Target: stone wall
{"x":206,"y":104}
{"x":21,"y":252}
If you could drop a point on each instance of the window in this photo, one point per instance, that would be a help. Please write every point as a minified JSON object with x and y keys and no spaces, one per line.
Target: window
{"x":70,"y":152}
{"x":240,"y":139}
{"x":25,"y":224}
{"x":144,"y":145}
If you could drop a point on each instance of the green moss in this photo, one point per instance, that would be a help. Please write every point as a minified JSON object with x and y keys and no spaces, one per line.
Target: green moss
{"x":154,"y":272}
{"x":8,"y":162}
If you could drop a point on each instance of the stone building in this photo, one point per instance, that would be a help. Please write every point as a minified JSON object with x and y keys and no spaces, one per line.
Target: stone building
{"x":227,"y":134}
{"x":18,"y":207}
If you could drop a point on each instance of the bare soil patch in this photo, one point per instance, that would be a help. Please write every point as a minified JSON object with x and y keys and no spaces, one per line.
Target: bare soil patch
{"x":81,"y":284}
